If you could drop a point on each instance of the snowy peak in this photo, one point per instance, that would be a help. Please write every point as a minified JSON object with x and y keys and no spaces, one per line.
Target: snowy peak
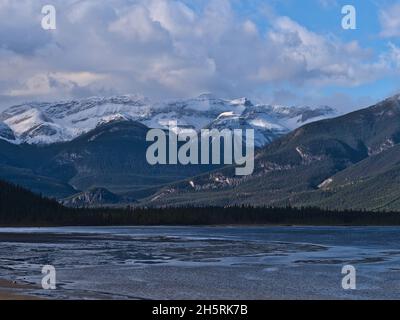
{"x":242,"y":101}
{"x":46,"y":123}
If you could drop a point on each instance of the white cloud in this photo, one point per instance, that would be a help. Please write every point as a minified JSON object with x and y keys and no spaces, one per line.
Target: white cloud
{"x":390,"y":21}
{"x":250,"y":27}
{"x":164,"y":48}
{"x":173,"y":16}
{"x":37,"y":85}
{"x":310,"y":58}
{"x":54,"y":83}
{"x":137,"y":25}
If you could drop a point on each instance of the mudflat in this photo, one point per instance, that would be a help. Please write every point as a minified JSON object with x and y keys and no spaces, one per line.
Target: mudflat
{"x":12,"y":291}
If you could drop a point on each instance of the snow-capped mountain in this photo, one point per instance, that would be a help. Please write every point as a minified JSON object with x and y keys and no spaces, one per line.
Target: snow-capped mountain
{"x":46,"y":123}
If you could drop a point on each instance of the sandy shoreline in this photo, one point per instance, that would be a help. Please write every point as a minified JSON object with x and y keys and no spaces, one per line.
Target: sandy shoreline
{"x":14,"y":291}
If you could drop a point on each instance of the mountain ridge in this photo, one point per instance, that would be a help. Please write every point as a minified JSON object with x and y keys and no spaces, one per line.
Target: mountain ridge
{"x":298,"y":168}
{"x":346,"y":162}
{"x":47,"y":123}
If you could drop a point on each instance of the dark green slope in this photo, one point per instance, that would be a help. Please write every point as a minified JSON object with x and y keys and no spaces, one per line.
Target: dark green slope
{"x":22,"y":208}
{"x":21,"y":165}
{"x":112,"y":156}
{"x":291,"y":170}
{"x":18,"y":204}
{"x":373,"y":183}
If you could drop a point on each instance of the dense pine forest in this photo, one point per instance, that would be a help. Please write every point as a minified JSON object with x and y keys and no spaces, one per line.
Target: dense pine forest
{"x":20,"y":207}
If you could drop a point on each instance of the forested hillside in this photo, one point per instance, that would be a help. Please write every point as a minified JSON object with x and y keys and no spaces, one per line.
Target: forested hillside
{"x":19,"y":207}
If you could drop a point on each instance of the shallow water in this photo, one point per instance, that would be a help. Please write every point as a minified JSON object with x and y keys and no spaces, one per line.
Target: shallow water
{"x":205,"y":262}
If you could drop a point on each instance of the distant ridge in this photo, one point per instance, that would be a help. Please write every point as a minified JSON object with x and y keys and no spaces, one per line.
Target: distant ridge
{"x":47,"y":123}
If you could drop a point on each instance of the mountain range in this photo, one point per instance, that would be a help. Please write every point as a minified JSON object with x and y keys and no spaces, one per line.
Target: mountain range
{"x":47,"y":123}
{"x":351,"y":161}
{"x":92,"y":152}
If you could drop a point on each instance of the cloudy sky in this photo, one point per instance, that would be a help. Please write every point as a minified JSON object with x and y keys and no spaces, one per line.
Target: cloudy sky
{"x":275,"y":51}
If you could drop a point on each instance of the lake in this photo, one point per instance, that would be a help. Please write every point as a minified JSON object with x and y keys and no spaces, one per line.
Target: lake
{"x":204,"y":262}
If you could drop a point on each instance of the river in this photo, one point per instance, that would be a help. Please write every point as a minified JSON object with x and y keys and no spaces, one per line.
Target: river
{"x":204,"y":262}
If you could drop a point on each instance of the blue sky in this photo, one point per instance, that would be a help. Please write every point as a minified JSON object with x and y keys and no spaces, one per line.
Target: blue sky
{"x":278,"y":51}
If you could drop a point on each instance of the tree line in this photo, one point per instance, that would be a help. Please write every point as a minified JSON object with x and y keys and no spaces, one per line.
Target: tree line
{"x":20,"y":207}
